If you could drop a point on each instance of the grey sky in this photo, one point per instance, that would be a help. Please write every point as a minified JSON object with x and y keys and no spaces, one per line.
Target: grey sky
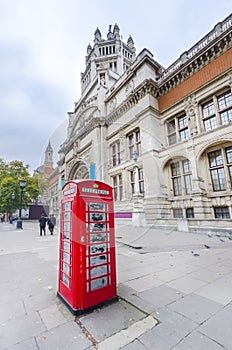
{"x":42,"y":53}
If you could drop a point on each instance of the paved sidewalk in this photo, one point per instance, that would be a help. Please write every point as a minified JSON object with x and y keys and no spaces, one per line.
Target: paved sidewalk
{"x":169,"y":298}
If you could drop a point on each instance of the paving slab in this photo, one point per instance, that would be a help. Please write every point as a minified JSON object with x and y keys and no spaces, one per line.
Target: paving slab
{"x":160,"y":296}
{"x":198,"y":341}
{"x":195,"y":307}
{"x":15,"y":330}
{"x":66,"y":336}
{"x":171,"y":329}
{"x":106,"y":321}
{"x":218,"y":327}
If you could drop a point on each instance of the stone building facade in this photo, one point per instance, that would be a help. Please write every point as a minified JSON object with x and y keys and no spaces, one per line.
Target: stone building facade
{"x":162,"y":138}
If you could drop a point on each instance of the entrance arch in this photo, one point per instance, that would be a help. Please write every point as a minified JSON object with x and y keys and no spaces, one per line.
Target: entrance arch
{"x":79,"y":171}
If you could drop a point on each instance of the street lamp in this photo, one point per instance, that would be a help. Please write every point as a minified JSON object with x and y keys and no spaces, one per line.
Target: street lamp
{"x":12,"y":208}
{"x":22,"y":184}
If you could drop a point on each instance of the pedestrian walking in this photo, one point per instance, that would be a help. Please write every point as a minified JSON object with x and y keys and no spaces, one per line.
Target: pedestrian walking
{"x":42,"y":224}
{"x":51,"y":223}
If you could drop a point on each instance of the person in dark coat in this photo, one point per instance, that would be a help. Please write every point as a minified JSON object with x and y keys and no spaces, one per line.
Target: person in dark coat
{"x":42,"y":224}
{"x":51,"y":224}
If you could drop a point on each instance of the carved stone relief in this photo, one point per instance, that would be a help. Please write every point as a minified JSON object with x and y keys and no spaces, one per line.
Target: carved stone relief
{"x":190,"y":106}
{"x":129,"y":87}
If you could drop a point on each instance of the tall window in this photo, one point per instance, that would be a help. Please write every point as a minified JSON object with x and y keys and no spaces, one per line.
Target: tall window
{"x":181,"y":177}
{"x":117,"y":187}
{"x":116,"y":153}
{"x":177,"y":129}
{"x":141,"y":181}
{"x":220,"y":166}
{"x":134,"y":143}
{"x":217,"y":111}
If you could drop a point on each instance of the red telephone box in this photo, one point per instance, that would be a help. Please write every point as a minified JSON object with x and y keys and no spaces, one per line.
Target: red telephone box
{"x":87,"y":266}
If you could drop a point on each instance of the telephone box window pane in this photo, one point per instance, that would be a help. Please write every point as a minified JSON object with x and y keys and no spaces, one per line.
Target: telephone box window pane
{"x":67,"y":246}
{"x":66,"y":280}
{"x":97,"y":237}
{"x":66,"y":268}
{"x":97,"y":206}
{"x":66,"y":258}
{"x":67,"y":216}
{"x":66,"y":235}
{"x":67,"y":206}
{"x":98,"y":260}
{"x":97,"y":227}
{"x":99,"y":283}
{"x":98,"y":248}
{"x":67,"y":226}
{"x":97,"y":216}
{"x":98,"y":271}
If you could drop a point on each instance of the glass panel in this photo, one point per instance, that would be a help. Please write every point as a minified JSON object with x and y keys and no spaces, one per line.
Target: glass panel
{"x":225,"y":100}
{"x":172,"y":139}
{"x":67,"y":206}
{"x":186,"y":166}
{"x":189,"y":213}
{"x":137,"y":136}
{"x":177,"y":213}
{"x":226,"y":117}
{"x":171,"y":126}
{"x":215,"y":158}
{"x":175,"y":168}
{"x":218,"y":179}
{"x":177,"y":186}
{"x":221,"y":213}
{"x":208,"y":109}
{"x":229,"y":154}
{"x":96,"y":206}
{"x":210,"y":123}
{"x":188,"y":184}
{"x":131,"y":140}
{"x":182,"y":121}
{"x":184,"y":135}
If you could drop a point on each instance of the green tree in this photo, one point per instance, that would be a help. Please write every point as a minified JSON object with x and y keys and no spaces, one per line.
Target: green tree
{"x":10,"y":175}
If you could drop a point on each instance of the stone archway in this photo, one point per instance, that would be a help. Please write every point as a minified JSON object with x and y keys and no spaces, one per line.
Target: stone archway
{"x":79,"y":171}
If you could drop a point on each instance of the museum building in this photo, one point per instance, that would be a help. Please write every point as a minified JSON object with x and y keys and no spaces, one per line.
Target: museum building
{"x":162,"y":138}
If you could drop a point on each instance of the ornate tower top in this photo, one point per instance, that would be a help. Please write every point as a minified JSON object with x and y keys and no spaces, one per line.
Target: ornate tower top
{"x":107,"y":58}
{"x":48,"y":155}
